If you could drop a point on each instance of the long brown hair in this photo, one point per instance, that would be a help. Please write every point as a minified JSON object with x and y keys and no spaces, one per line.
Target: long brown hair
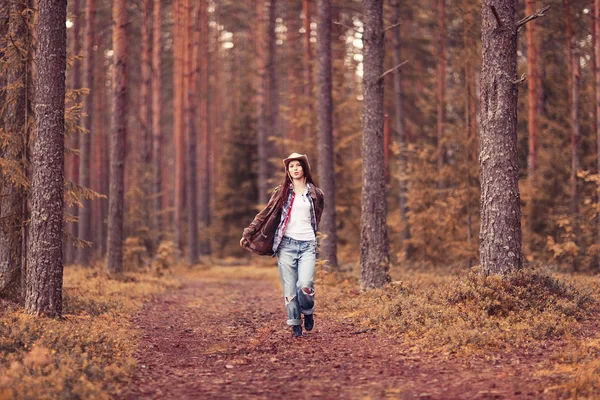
{"x":285,"y":186}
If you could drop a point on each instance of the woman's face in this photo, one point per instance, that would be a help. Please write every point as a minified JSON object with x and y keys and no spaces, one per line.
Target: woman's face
{"x":295,"y":170}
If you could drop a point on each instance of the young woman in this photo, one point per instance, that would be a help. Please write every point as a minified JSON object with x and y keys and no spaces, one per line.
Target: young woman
{"x":287,"y":227}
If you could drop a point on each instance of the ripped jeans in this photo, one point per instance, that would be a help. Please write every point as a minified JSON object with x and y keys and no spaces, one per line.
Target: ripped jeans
{"x":296,"y":261}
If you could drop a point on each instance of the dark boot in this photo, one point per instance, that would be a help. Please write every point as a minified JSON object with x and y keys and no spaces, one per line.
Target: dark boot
{"x":309,"y":322}
{"x":296,"y":331}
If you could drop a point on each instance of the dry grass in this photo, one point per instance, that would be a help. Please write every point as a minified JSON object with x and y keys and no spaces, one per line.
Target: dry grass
{"x":88,"y":355}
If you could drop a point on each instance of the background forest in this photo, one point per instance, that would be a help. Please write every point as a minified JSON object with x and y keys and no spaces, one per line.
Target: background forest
{"x":216,"y":88}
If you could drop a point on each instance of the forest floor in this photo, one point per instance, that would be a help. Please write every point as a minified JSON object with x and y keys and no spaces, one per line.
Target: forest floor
{"x":222,"y":335}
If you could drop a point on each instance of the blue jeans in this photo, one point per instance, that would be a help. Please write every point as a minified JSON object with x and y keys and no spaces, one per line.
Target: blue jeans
{"x":296,"y":261}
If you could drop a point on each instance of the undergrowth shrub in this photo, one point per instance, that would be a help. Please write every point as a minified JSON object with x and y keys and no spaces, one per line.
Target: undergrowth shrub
{"x":468,"y":312}
{"x":88,"y":354}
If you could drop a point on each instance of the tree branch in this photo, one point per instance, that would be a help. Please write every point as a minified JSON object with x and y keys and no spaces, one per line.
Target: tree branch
{"x":496,"y":15}
{"x":347,"y":27}
{"x":539,"y":13}
{"x":391,"y":27}
{"x":520,"y":80}
{"x":389,"y":71}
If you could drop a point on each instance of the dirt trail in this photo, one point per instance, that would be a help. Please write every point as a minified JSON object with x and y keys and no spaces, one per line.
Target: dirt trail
{"x":226,"y":338}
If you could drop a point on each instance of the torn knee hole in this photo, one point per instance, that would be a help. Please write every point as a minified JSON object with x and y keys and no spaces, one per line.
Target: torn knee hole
{"x":308,"y":291}
{"x":289,"y":299}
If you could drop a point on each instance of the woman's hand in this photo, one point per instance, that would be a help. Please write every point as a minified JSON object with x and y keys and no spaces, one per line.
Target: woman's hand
{"x":244,"y":242}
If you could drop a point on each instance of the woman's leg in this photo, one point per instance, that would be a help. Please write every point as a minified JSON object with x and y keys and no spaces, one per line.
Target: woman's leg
{"x":306,"y":278}
{"x":287,"y":260}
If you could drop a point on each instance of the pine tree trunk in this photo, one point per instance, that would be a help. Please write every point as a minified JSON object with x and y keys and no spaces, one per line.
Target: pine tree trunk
{"x":145,"y":133}
{"x":45,"y":250}
{"x":205,"y":155}
{"x":98,"y":145}
{"x":217,"y":127}
{"x":261,"y":112}
{"x":531,"y":91}
{"x":85,"y":214}
{"x":157,"y":223}
{"x":13,"y":121}
{"x":500,"y":234}
{"x":400,"y":127}
{"x":308,"y":79}
{"x":190,"y":77}
{"x":273,"y":92}
{"x":573,"y":68}
{"x":178,"y":49}
{"x":73,"y":167}
{"x":325,"y":120}
{"x":597,"y":79}
{"x":374,"y":246}
{"x":114,"y":261}
{"x":441,"y":86}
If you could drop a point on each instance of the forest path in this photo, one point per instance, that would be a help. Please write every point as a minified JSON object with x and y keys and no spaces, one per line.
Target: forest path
{"x":223,"y":336}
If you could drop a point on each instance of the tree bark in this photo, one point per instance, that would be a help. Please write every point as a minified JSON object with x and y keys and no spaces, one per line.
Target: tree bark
{"x":190,"y":77}
{"x":531,"y":91}
{"x":206,"y":145}
{"x":273,"y":89}
{"x":374,"y":247}
{"x":325,"y":120}
{"x":597,"y":79}
{"x":308,"y":75}
{"x":145,"y":133}
{"x":85,"y":214}
{"x":45,"y":251}
{"x":13,"y":74}
{"x":500,"y":234}
{"x":178,"y":128}
{"x":261,"y":112}
{"x":573,"y":71}
{"x":114,"y":260}
{"x":400,"y":126}
{"x":157,"y":223}
{"x":441,"y":86}
{"x":73,"y":167}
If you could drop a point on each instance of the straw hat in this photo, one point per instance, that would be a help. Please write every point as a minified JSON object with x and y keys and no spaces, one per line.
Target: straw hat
{"x":296,"y":156}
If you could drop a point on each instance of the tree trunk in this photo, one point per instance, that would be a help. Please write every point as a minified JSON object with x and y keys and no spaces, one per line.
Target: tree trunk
{"x":114,"y":261}
{"x":205,"y":155}
{"x":400,"y":127}
{"x":15,"y":76}
{"x":145,"y":133}
{"x":325,"y":121}
{"x":308,"y":76}
{"x":45,"y":251}
{"x":261,"y":112}
{"x":573,"y":68}
{"x":190,"y":77}
{"x":374,"y":247}
{"x":500,"y":234}
{"x":157,"y":223}
{"x":273,"y":92}
{"x":178,"y":49}
{"x":85,"y":214}
{"x":531,"y":91}
{"x":441,"y":86}
{"x":597,"y":78}
{"x":98,"y":133}
{"x":73,"y":167}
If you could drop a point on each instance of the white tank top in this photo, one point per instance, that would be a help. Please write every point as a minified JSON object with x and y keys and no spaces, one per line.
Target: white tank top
{"x":299,"y":226}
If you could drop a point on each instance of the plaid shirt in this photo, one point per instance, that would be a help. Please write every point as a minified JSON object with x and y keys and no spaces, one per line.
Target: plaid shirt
{"x":285,"y":215}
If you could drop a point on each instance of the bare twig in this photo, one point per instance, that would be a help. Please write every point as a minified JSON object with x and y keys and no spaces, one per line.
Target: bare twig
{"x":539,"y":13}
{"x":521,"y":79}
{"x":389,"y":71}
{"x":496,"y":15}
{"x":391,"y":27}
{"x":346,"y":26}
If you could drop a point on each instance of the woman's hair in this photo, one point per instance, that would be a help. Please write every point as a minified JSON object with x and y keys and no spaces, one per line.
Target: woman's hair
{"x":285,"y":186}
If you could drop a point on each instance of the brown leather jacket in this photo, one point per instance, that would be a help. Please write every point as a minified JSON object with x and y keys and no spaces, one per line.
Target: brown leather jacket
{"x":260,"y":234}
